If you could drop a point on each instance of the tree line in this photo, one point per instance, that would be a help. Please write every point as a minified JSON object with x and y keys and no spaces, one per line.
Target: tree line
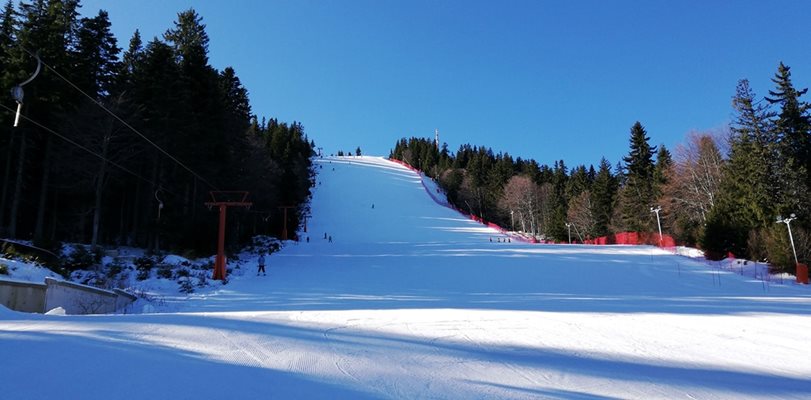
{"x":721,"y":191}
{"x":124,"y":147}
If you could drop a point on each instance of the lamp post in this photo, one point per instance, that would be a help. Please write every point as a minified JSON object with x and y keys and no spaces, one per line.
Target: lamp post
{"x":787,"y":221}
{"x":569,"y":227}
{"x":658,"y":222}
{"x":512,"y":221}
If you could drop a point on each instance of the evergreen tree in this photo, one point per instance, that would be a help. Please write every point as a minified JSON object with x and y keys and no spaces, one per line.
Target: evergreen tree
{"x":603,"y":194}
{"x":750,"y":192}
{"x":664,"y":161}
{"x":96,"y":56}
{"x":638,"y":191}
{"x":747,"y":188}
{"x":793,"y":130}
{"x":7,"y":74}
{"x":131,"y":60}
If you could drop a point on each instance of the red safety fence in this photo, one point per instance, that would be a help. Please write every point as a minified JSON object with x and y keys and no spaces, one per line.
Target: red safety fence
{"x":631,"y":238}
{"x":635,"y":238}
{"x":466,"y":215}
{"x":802,"y":273}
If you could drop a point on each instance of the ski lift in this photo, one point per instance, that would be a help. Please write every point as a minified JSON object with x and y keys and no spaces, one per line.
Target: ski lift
{"x":160,"y":204}
{"x":17,"y":91}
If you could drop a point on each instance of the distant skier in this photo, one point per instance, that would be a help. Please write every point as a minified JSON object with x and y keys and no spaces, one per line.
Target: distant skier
{"x":373,"y":206}
{"x":330,"y":239}
{"x":261,"y":264}
{"x":325,"y":235}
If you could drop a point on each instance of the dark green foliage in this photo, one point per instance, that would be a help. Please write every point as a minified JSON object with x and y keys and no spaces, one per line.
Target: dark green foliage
{"x":186,"y":285}
{"x":165,"y":271}
{"x":722,"y":236}
{"x":664,"y":161}
{"x":792,"y":127}
{"x":746,"y":193}
{"x":81,"y":259}
{"x":167,"y":91}
{"x":144,"y":267}
{"x":766,"y":175}
{"x":603,"y":194}
{"x":3,"y":269}
{"x":638,"y":194}
{"x":474,"y":179}
{"x":114,"y":269}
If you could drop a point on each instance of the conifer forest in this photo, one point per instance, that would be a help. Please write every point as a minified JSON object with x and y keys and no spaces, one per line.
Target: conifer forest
{"x":720,"y":190}
{"x":122,"y":143}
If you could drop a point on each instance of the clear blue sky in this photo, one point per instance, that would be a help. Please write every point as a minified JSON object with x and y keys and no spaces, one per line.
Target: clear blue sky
{"x":537,"y":79}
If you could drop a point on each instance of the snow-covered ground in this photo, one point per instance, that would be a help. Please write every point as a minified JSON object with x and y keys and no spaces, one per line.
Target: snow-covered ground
{"x":412,"y":300}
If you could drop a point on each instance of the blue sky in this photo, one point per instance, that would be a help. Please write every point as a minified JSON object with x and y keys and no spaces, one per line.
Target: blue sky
{"x":537,"y":79}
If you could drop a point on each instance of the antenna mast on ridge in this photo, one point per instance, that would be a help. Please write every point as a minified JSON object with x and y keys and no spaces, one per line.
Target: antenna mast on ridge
{"x":436,"y":138}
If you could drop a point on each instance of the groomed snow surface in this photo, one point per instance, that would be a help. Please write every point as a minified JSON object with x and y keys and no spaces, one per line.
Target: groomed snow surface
{"x":413,"y":301}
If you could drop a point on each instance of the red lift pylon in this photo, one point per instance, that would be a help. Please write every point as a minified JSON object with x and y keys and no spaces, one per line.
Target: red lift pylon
{"x":219,"y":264}
{"x":284,"y":229}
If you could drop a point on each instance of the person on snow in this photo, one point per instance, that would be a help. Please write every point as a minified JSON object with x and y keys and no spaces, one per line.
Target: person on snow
{"x":261,"y":264}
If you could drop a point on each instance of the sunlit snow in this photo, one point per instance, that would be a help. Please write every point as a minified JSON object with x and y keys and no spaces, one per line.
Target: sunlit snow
{"x":412,"y":300}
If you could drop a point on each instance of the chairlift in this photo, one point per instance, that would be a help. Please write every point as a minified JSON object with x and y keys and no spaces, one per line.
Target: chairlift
{"x":160,"y":203}
{"x":17,"y":91}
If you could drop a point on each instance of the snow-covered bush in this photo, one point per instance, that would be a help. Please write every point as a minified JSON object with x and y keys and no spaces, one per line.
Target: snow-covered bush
{"x":164,"y":271}
{"x":144,"y":266}
{"x":264,"y":243}
{"x":186,"y":285}
{"x":115,"y":268}
{"x":80,"y":258}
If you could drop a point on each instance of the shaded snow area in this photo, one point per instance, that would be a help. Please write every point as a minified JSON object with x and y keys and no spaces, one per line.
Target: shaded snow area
{"x":411,"y":300}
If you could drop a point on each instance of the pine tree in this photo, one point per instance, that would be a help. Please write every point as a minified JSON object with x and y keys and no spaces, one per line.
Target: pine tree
{"x":638,"y":191}
{"x":7,"y":73}
{"x":793,"y":130}
{"x":747,"y":188}
{"x":603,"y":194}
{"x":664,"y":161}
{"x":49,"y":27}
{"x":96,"y":56}
{"x":131,"y":61}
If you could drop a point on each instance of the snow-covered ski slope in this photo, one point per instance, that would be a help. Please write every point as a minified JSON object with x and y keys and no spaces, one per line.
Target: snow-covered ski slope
{"x":413,"y":301}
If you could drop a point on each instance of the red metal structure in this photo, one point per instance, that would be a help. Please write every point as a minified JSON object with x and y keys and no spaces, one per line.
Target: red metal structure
{"x":223,"y":200}
{"x":284,"y":229}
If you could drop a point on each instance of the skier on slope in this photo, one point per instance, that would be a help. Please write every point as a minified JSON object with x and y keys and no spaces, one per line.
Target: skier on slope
{"x":261,"y":264}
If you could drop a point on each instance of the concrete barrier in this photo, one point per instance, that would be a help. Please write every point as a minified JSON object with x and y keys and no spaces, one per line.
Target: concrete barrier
{"x":23,"y":296}
{"x":73,"y":297}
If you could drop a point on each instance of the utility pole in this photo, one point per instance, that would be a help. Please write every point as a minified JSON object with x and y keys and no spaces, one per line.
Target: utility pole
{"x":219,"y":264}
{"x":436,"y":138}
